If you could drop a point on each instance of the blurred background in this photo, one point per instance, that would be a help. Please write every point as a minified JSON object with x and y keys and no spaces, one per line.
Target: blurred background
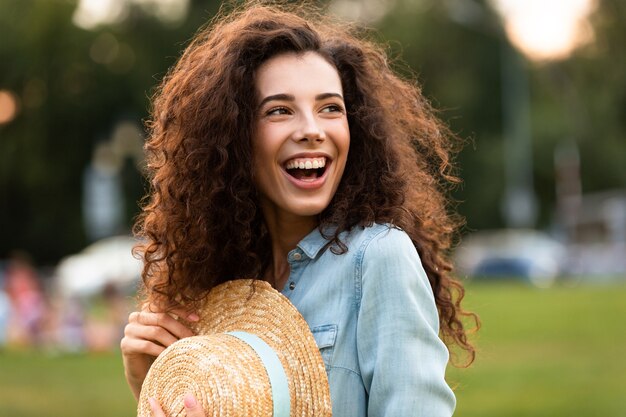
{"x":536,"y":88}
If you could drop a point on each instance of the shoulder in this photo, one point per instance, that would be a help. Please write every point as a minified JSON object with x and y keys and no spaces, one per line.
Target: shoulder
{"x":383,"y":247}
{"x":388,"y":261}
{"x":380,"y":241}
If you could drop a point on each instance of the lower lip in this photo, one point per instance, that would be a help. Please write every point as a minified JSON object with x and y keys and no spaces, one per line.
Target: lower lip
{"x":308,"y":185}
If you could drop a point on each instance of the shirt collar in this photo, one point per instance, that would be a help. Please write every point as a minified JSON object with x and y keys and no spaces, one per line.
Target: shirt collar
{"x":314,"y":243}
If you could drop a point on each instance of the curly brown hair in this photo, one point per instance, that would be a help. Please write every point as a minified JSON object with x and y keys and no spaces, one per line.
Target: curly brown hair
{"x":202,"y":223}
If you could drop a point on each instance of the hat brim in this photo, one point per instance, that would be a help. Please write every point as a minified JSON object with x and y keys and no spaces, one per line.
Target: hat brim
{"x":224,"y":373}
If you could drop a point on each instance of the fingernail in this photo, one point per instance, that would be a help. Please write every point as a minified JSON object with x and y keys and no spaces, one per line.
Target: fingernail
{"x":193,"y":317}
{"x":189,"y":401}
{"x":153,"y":403}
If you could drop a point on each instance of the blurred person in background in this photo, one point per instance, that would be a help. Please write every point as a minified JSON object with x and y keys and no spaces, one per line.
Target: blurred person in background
{"x":251,"y":176}
{"x":28,"y":304}
{"x":106,"y":318}
{"x":68,"y":324}
{"x":5,"y":311}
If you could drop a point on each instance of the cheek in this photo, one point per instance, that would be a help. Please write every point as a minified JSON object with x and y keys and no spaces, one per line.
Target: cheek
{"x":343,"y":131}
{"x":344,"y":149}
{"x":265,"y":142}
{"x":259,"y":148}
{"x":344,"y":143}
{"x":264,"y":155}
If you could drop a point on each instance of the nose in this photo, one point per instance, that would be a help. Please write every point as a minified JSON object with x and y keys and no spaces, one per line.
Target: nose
{"x":309,"y":130}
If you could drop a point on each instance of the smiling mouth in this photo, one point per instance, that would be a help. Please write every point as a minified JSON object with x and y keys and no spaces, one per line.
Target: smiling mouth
{"x":306,"y":169}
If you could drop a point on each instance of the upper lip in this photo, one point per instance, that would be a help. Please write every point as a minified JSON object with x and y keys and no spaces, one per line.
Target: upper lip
{"x":307,"y":155}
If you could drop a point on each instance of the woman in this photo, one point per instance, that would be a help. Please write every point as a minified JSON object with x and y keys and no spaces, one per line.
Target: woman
{"x":288,"y":151}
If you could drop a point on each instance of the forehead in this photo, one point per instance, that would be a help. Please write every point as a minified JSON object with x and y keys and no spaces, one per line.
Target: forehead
{"x":297,"y":74}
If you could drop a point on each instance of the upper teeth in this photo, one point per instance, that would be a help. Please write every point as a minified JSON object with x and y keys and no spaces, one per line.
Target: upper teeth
{"x":306,"y":163}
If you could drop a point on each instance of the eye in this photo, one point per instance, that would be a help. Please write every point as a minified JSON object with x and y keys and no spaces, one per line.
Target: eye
{"x":332,"y":108}
{"x":276,"y":111}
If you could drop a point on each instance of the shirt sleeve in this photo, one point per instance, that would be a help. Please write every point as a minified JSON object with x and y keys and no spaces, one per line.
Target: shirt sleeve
{"x":401,"y":357}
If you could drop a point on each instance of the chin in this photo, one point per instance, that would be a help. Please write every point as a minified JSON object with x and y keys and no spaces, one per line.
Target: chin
{"x":307,"y":210}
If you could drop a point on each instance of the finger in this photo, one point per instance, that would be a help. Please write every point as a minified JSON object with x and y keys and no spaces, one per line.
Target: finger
{"x":192,"y":408}
{"x":192,"y":317}
{"x":157,"y":411}
{"x":131,"y":346}
{"x":176,"y":313}
{"x":152,"y":333}
{"x":163,"y":320}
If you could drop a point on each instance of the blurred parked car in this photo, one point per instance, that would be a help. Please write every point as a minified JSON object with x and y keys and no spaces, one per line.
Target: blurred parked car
{"x":107,"y":261}
{"x":524,"y":254}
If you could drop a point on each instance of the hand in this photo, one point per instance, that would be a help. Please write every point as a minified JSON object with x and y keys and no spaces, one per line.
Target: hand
{"x":192,"y":407}
{"x":146,"y":335}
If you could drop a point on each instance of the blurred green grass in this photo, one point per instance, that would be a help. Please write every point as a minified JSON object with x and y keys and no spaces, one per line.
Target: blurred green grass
{"x":35,"y":384}
{"x":553,"y":352}
{"x":545,"y":352}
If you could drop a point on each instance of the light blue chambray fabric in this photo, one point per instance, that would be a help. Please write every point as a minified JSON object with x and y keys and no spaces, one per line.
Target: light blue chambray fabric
{"x":373,"y":316}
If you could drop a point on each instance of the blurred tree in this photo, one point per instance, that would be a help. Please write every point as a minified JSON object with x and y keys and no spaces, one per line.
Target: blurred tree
{"x":457,"y":60}
{"x":581,"y":102}
{"x":75,"y":85}
{"x":454,"y":47}
{"x":591,"y":90}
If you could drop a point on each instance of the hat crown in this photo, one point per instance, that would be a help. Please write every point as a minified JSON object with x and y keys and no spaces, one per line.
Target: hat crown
{"x":227,"y":374}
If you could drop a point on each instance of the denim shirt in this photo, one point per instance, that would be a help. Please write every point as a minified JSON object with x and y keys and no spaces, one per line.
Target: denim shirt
{"x":373,"y":315}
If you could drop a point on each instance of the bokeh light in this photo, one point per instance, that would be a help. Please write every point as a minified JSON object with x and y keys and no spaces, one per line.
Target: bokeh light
{"x":9,"y":106}
{"x":547,"y":30}
{"x":92,"y":13}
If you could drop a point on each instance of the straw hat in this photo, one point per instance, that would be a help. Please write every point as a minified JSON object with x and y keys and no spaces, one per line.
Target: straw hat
{"x":255,"y":357}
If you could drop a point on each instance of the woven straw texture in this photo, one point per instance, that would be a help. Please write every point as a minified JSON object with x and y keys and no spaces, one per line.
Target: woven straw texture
{"x":224,"y":373}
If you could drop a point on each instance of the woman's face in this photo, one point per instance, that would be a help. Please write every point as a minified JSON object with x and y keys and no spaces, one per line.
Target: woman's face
{"x":301,"y":136}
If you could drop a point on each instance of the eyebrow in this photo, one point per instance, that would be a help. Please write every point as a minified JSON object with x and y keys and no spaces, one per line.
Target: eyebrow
{"x":290,"y":97}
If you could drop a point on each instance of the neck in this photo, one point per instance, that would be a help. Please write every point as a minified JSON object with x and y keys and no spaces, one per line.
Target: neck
{"x":285,"y":230}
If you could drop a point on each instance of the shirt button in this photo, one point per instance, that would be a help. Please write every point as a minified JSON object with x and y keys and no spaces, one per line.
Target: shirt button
{"x":297,"y":256}
{"x":292,"y":286}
